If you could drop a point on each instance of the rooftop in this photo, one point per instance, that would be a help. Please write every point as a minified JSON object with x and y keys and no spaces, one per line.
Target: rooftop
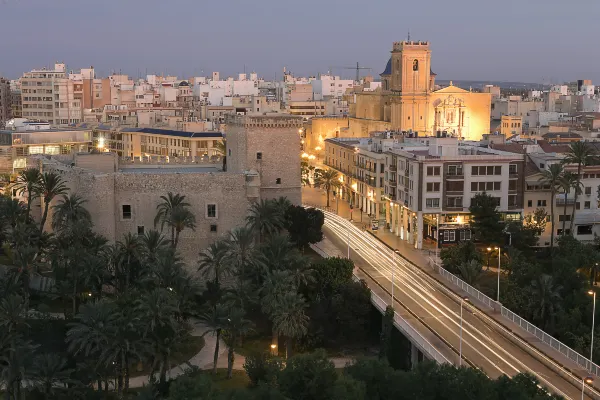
{"x":168,"y":132}
{"x":170,"y":170}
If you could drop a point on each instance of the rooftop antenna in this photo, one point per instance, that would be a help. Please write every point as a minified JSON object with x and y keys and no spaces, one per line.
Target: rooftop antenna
{"x":409,"y":35}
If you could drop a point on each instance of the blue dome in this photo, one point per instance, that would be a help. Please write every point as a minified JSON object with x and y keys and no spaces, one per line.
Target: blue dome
{"x":388,"y":68}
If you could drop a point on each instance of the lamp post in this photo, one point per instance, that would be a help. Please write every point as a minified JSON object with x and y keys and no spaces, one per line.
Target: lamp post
{"x":462,"y":300}
{"x":498,"y":293}
{"x":489,"y":249}
{"x":592,"y":293}
{"x":588,"y":380}
{"x":274,"y":349}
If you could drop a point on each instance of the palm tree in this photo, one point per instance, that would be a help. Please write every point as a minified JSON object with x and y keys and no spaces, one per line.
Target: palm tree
{"x":154,"y":245}
{"x":282,"y":204}
{"x":165,"y":208}
{"x":220,"y":147}
{"x":276,"y":284}
{"x":28,"y":183}
{"x":264,"y":218}
{"x":290,"y":319}
{"x":213,"y":262}
{"x":547,"y":300}
{"x":582,"y":154}
{"x":128,"y":262}
{"x":328,"y":180}
{"x":70,"y":210}
{"x":470,"y":271}
{"x":179,"y":219}
{"x":569,"y":181}
{"x":236,"y":326}
{"x":50,"y":186}
{"x":214,"y":319}
{"x":12,"y":212}
{"x":50,"y":370}
{"x":241,"y":251}
{"x":553,"y":178}
{"x":15,"y":354}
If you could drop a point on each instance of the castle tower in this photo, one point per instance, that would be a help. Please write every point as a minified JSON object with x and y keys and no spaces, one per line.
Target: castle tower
{"x":259,"y":146}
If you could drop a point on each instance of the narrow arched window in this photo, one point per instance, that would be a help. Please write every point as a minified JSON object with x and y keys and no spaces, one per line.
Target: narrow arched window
{"x":415,"y":65}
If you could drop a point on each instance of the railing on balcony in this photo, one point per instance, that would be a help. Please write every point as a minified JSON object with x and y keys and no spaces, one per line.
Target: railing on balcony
{"x":393,"y":167}
{"x":393,"y":183}
{"x":562,"y":202}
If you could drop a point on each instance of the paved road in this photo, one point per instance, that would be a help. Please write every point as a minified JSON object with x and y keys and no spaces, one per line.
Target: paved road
{"x":485,"y":343}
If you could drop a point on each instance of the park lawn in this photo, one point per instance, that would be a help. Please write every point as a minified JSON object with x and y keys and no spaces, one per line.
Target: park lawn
{"x":255,"y":345}
{"x":239,"y":380}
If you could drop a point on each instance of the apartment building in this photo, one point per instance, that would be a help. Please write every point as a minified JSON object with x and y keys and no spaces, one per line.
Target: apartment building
{"x":5,"y":101}
{"x":145,"y":142}
{"x":361,"y":171}
{"x":49,"y":95}
{"x":421,"y":188}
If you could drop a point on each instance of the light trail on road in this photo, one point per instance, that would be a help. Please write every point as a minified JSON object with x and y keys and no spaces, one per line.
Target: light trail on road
{"x":486,"y":344}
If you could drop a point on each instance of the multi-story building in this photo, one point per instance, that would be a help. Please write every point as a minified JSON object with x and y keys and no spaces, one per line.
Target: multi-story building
{"x":5,"y":101}
{"x":145,"y":142}
{"x":421,"y":187}
{"x":49,"y":95}
{"x":511,"y":125}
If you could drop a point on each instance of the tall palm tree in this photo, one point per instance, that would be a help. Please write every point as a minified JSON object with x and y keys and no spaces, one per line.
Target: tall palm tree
{"x":213,"y":263}
{"x":290,"y":318}
{"x":50,"y":185}
{"x":553,"y":178}
{"x":70,"y":210}
{"x":236,"y":327}
{"x":547,"y":300}
{"x":28,"y":183}
{"x":179,"y":219}
{"x":214,"y":319}
{"x":128,"y":262}
{"x":264,"y":218}
{"x":328,"y":180}
{"x":154,"y":245}
{"x":48,"y":371}
{"x":241,"y":250}
{"x":282,"y":204}
{"x":470,"y":271}
{"x":220,"y":147}
{"x":165,"y":208}
{"x":569,"y":181}
{"x":582,"y":154}
{"x":12,"y":212}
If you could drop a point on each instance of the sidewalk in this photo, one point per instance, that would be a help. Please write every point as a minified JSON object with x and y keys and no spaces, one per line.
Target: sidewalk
{"x":423,"y":258}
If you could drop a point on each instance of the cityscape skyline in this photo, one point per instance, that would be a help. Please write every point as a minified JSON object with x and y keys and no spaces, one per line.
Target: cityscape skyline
{"x":532,"y":47}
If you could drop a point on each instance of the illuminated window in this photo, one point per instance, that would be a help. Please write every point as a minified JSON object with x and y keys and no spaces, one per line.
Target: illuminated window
{"x":36,"y":149}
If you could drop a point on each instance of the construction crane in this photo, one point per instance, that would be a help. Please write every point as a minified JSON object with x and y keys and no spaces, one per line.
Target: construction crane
{"x":357,"y":68}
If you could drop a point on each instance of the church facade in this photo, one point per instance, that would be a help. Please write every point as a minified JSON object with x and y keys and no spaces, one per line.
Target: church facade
{"x":408,"y":100}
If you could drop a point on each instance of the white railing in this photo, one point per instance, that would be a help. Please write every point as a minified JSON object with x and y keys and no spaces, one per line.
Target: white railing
{"x":557,"y":345}
{"x":552,"y":342}
{"x":399,"y":322}
{"x":474,"y":293}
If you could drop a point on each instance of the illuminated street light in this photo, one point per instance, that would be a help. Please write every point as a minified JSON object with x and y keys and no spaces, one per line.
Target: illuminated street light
{"x":588,"y":380}
{"x":592,"y":293}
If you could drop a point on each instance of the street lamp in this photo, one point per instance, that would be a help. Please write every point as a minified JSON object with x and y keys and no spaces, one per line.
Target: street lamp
{"x":273,"y":348}
{"x":462,"y":300}
{"x":498,"y":292}
{"x":588,"y":380}
{"x":592,"y":293}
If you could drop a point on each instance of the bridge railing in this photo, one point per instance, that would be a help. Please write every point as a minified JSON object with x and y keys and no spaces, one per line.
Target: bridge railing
{"x":399,"y":322}
{"x":525,"y":325}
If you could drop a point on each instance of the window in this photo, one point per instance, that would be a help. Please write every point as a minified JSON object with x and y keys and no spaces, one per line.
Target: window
{"x":588,"y":190}
{"x":465,"y":235}
{"x":529,"y":203}
{"x":278,"y":181}
{"x":455,"y":202}
{"x":433,"y":186}
{"x":230,"y":152}
{"x":259,"y":155}
{"x":586,"y":205}
{"x":485,"y":186}
{"x":455,"y":186}
{"x":512,"y":169}
{"x":577,"y":206}
{"x":584,"y":229}
{"x":213,"y":228}
{"x":449,"y":236}
{"x":433,"y":171}
{"x":432,"y":203}
{"x":541,"y":203}
{"x":381,"y":168}
{"x":566,"y":218}
{"x":542,"y":166}
{"x":140,"y":231}
{"x":486,"y":170}
{"x":211,"y":211}
{"x":512,"y":184}
{"x":512,"y":200}
{"x":126,"y":211}
{"x":455,"y":170}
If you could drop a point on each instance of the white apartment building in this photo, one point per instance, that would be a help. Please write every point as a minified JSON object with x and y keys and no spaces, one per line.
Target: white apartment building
{"x":330,"y":86}
{"x":49,"y":95}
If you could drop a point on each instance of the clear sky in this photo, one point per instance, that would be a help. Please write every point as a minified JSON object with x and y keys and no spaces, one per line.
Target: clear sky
{"x":516,"y":40}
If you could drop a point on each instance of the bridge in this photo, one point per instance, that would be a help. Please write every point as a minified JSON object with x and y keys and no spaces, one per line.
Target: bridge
{"x":427,"y":304}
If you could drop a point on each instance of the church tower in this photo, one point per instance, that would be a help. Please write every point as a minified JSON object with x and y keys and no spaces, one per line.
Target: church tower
{"x":411,"y":66}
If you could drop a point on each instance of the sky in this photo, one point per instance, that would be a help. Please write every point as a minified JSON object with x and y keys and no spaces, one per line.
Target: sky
{"x":543,"y":41}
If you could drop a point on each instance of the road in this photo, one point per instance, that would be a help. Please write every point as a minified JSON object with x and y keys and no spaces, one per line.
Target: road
{"x":485,"y":343}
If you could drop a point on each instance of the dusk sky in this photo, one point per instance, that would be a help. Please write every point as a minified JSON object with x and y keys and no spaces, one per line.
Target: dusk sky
{"x":511,"y":40}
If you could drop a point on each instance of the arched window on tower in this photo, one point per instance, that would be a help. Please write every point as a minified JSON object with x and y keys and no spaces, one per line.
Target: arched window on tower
{"x":415,"y":65}
{"x":397,"y":66}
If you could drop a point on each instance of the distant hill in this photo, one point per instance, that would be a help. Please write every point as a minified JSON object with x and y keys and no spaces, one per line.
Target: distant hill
{"x":503,"y":85}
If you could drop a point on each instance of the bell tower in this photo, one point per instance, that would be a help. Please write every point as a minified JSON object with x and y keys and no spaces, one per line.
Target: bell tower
{"x":411,"y":66}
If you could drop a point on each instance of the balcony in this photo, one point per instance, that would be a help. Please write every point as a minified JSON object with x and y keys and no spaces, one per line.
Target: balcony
{"x":455,"y":176}
{"x":393,"y":183}
{"x":392,"y":195}
{"x":393,"y":168}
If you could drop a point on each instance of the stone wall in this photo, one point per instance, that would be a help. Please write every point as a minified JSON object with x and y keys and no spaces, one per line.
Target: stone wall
{"x":320,"y":129}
